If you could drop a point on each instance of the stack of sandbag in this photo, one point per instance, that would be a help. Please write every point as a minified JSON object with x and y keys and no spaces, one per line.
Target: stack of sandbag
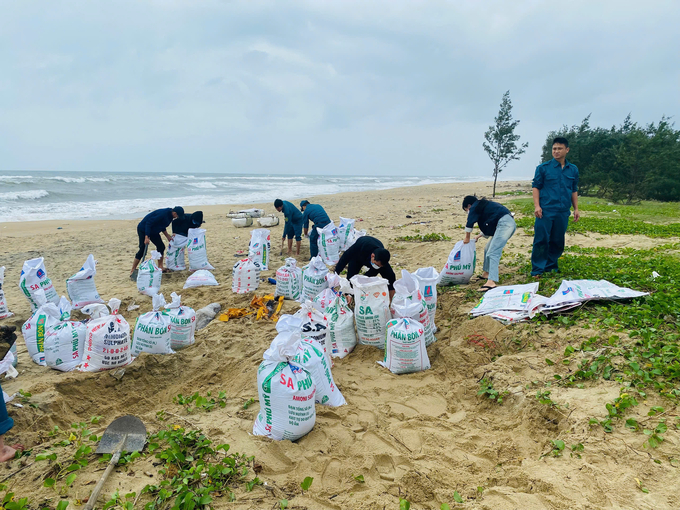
{"x":4,"y":310}
{"x":345,"y":233}
{"x":409,"y":302}
{"x":341,"y":334}
{"x":64,"y":341}
{"x":329,"y":244}
{"x":35,"y":328}
{"x":107,"y":340}
{"x":313,"y":279}
{"x":150,"y":275}
{"x":286,"y":391}
{"x":260,"y":248}
{"x":174,"y":255}
{"x":34,"y":280}
{"x":198,"y":253}
{"x":246,"y":276}
{"x":460,"y":265}
{"x":371,"y":309}
{"x":427,"y":279}
{"x":183,"y":320}
{"x":405,"y":350}
{"x":289,"y":280}
{"x":200,"y":278}
{"x":314,"y":326}
{"x":81,"y":288}
{"x":152,"y":330}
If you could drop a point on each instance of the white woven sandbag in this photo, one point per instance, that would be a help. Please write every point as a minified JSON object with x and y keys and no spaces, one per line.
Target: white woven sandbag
{"x":34,"y":279}
{"x":64,"y":342}
{"x":286,"y":392}
{"x":341,"y":333}
{"x":260,"y":248}
{"x":371,"y":309}
{"x":405,"y":350}
{"x":356,"y":234}
{"x":107,"y":340}
{"x":407,"y":291}
{"x":311,"y":356}
{"x":198,"y":253}
{"x":328,"y":244}
{"x":200,"y":278}
{"x":460,"y":265}
{"x":427,"y":280}
{"x":81,"y":288}
{"x":183,"y":320}
{"x":313,"y":279}
{"x":289,"y":280}
{"x":345,"y":233}
{"x":323,"y":299}
{"x":150,"y":275}
{"x":35,"y":329}
{"x":4,"y":310}
{"x":174,"y":255}
{"x":315,"y":326}
{"x":152,"y":330}
{"x":245,"y":277}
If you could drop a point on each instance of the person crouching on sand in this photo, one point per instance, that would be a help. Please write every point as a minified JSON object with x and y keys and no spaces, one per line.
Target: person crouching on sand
{"x":495,"y":221}
{"x":150,"y":229}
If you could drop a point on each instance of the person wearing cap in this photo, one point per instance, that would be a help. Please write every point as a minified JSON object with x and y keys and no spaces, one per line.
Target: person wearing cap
{"x":318,"y":216}
{"x":181,"y":226}
{"x":150,"y":229}
{"x":293,"y":224}
{"x":370,"y":252}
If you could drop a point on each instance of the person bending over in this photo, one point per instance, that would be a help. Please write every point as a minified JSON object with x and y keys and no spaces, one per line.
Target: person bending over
{"x":495,"y":221}
{"x":318,"y":216}
{"x":293,"y":224}
{"x":181,"y":226}
{"x":370,"y":252}
{"x":150,"y":229}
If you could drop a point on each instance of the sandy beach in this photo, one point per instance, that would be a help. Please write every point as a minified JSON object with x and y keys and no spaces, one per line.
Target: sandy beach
{"x":423,"y":436}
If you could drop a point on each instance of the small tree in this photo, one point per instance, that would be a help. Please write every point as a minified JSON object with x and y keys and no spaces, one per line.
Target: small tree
{"x":501,"y":139}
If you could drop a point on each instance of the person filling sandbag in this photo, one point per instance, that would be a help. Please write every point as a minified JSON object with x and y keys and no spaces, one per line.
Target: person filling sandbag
{"x":80,"y":287}
{"x":152,"y":330}
{"x":34,"y":280}
{"x":107,"y":341}
{"x":64,"y":342}
{"x":495,"y":221}
{"x":286,"y":391}
{"x":370,"y":252}
{"x":313,"y":279}
{"x":35,"y":328}
{"x":341,"y":334}
{"x":4,"y":310}
{"x":407,"y":292}
{"x":289,"y":280}
{"x":460,"y":266}
{"x":311,"y":356}
{"x":183,"y":319}
{"x":317,"y":215}
{"x":150,"y":275}
{"x":198,"y":251}
{"x":293,"y":224}
{"x":371,"y":309}
{"x":149,"y":230}
{"x":405,"y":350}
{"x":427,"y":280}
{"x":182,"y":224}
{"x":259,"y":248}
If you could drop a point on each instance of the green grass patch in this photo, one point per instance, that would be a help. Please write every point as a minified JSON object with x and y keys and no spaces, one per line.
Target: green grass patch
{"x":513,"y":193}
{"x":427,"y":238}
{"x":611,"y":226}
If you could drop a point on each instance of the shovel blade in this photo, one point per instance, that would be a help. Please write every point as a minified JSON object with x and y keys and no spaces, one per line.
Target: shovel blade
{"x":133,"y":276}
{"x":127,"y":429}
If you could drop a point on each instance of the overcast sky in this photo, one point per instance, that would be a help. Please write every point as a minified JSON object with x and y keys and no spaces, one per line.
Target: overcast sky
{"x":317,"y":87}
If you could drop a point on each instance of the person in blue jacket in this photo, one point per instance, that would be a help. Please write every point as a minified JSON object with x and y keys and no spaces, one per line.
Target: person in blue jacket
{"x":293,"y":224}
{"x":495,"y":221}
{"x":149,"y":230}
{"x":555,"y":191}
{"x":319,"y":218}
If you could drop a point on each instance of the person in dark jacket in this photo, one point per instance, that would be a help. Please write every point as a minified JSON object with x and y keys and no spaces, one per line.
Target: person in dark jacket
{"x":495,"y":221}
{"x":370,"y":252}
{"x":181,"y":226}
{"x":293,"y":224}
{"x":7,"y":336}
{"x":319,"y":218}
{"x":149,"y":230}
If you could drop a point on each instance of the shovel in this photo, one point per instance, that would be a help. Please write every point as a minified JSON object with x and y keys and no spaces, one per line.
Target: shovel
{"x":125,"y":433}
{"x":281,"y":253}
{"x":133,"y":276}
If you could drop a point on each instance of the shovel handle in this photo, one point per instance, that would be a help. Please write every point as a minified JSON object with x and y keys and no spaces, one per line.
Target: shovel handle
{"x":100,"y":484}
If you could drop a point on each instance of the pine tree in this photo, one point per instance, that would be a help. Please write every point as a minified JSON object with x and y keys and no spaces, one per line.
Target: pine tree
{"x":501,"y":139}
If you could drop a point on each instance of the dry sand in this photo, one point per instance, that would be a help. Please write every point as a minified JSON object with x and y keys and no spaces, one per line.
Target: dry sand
{"x":420,"y":436}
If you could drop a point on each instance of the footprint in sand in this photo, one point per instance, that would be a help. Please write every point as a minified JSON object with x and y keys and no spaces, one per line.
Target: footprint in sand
{"x":331,"y":478}
{"x":384,"y":465}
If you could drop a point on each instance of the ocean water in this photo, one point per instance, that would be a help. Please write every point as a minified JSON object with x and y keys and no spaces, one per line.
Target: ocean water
{"x":49,"y":196}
